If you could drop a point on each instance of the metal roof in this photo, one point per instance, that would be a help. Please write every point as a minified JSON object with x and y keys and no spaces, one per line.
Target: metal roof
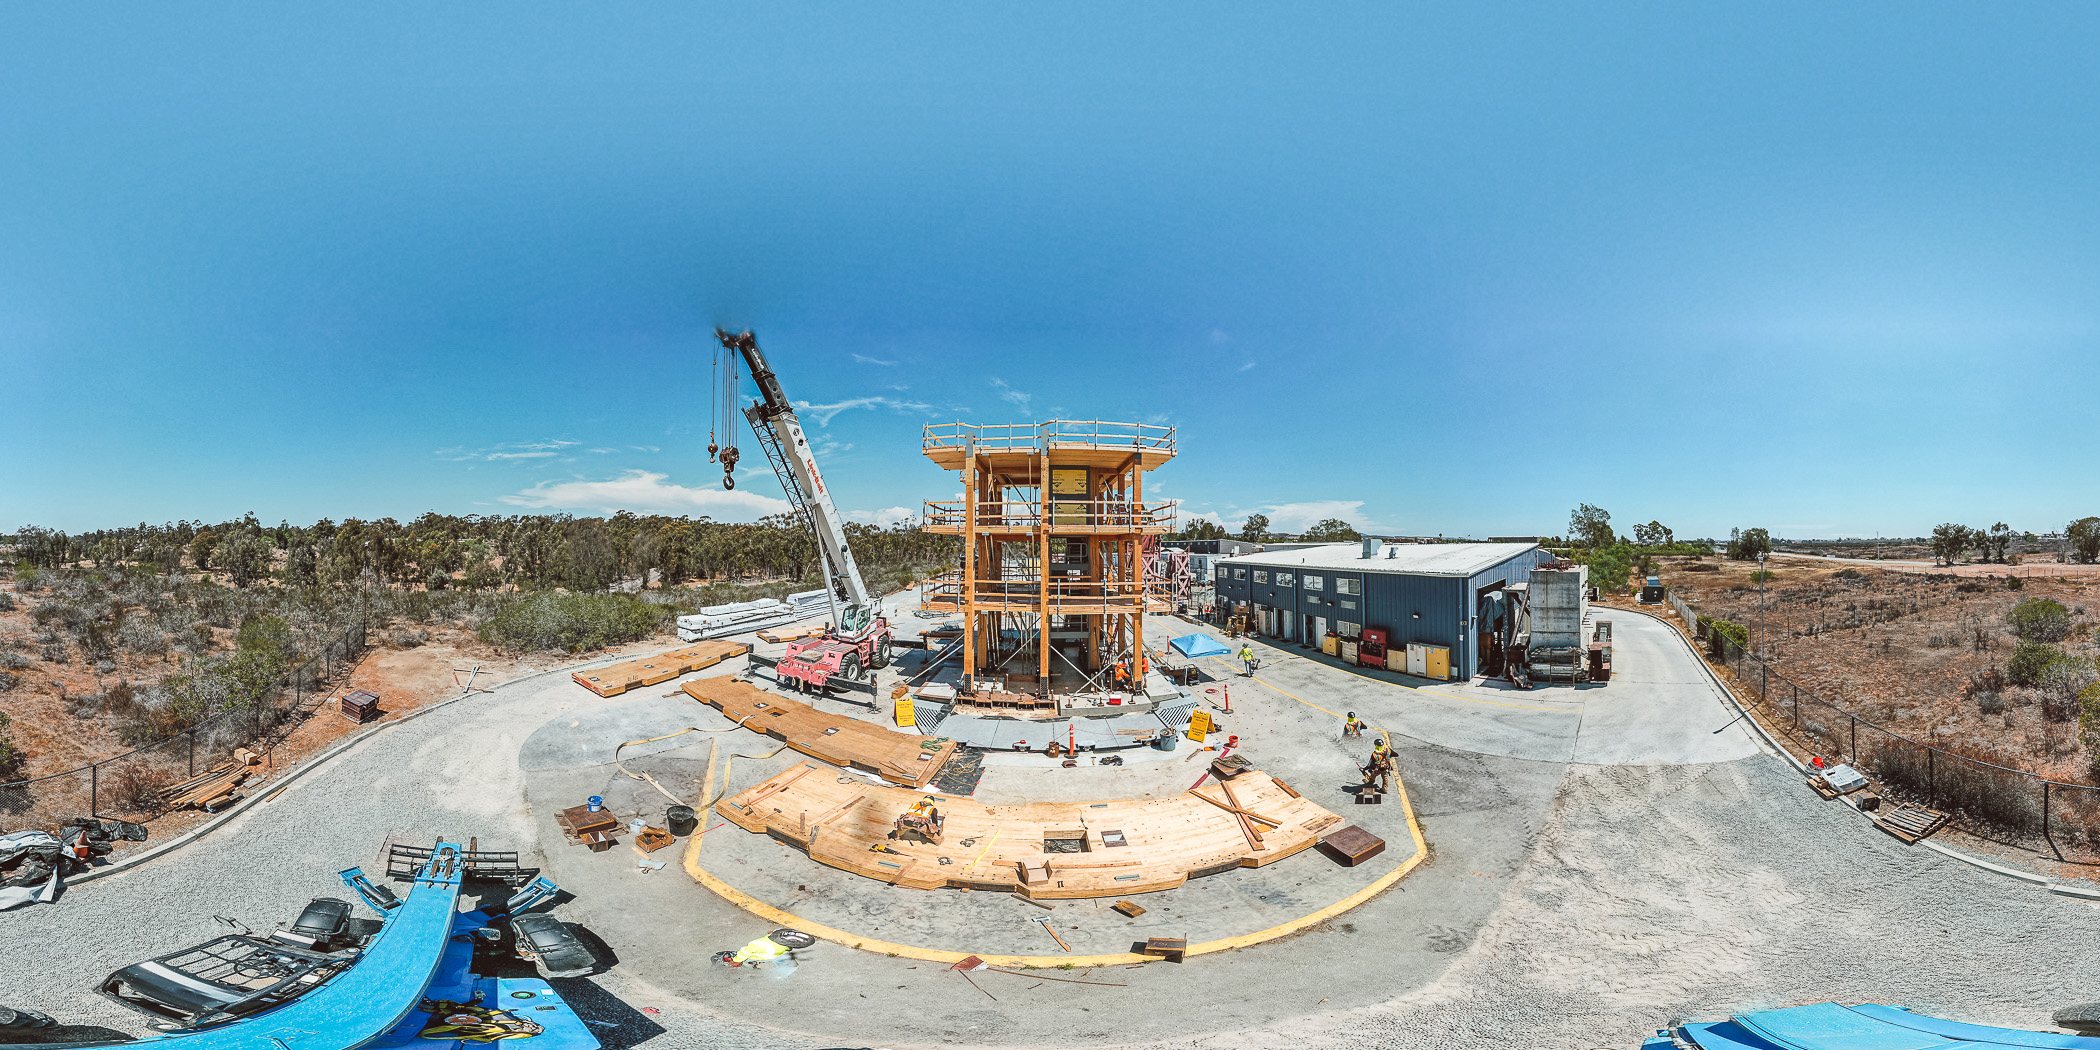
{"x":1418,"y":559}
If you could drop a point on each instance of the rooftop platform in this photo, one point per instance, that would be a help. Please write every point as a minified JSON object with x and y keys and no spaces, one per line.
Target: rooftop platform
{"x":1421,"y":559}
{"x":1071,"y":442}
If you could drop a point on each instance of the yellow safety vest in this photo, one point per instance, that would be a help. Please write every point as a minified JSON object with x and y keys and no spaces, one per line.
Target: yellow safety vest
{"x":764,"y":949}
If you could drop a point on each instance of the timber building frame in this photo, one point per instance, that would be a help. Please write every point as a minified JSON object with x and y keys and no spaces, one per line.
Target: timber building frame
{"x":1054,"y":528}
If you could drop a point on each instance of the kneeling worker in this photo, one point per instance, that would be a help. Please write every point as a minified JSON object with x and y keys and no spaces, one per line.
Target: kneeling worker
{"x":1352,"y":727}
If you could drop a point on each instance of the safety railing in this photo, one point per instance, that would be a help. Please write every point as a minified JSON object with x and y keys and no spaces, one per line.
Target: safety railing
{"x":1030,"y":437}
{"x":1028,"y":592}
{"x":1075,"y":515}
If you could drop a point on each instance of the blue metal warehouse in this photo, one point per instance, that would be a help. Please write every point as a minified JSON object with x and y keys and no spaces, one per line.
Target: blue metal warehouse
{"x":1435,"y":594}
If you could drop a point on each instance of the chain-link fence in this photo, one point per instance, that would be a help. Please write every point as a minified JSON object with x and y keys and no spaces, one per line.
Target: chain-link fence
{"x":134,"y":785}
{"x":1982,"y":796}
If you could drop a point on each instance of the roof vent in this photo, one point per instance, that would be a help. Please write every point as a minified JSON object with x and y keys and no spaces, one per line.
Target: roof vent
{"x":1371,"y":544}
{"x":1390,"y":551}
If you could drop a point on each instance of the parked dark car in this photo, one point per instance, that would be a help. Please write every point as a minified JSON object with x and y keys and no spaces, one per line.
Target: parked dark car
{"x":552,"y":945}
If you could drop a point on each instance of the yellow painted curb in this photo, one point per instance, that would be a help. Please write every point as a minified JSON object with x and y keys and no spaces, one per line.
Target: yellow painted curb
{"x":836,"y":936}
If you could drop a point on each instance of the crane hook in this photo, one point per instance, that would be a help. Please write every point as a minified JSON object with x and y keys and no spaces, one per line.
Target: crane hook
{"x":729,"y":458}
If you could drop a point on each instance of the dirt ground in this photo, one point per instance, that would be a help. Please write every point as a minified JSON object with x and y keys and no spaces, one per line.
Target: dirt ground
{"x":1900,"y":645}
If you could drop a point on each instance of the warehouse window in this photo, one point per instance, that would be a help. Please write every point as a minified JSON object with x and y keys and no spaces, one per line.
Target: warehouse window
{"x":1347,"y":629}
{"x":1261,"y":576}
{"x":1283,"y":579}
{"x":1239,"y":574}
{"x":1316,"y":583}
{"x":1348,"y":585}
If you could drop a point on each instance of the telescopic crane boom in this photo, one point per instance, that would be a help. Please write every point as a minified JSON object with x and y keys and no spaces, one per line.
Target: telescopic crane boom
{"x":780,"y":434}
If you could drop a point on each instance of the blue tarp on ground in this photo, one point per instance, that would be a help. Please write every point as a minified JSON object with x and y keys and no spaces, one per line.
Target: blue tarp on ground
{"x":1196,"y":645}
{"x":1828,"y":1026}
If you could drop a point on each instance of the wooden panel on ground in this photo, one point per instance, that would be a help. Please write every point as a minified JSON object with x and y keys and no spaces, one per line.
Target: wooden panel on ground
{"x":1353,"y":845}
{"x":842,"y":741}
{"x":206,"y":791}
{"x":614,"y":679}
{"x":1007,"y":848}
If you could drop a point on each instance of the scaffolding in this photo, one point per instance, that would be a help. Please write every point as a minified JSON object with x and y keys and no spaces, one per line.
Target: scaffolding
{"x":1055,"y":535}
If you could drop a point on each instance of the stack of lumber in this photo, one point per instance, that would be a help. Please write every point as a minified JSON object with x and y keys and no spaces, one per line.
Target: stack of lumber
{"x":649,"y":670}
{"x":206,"y":791}
{"x":716,"y":621}
{"x":1167,"y":841}
{"x":840,"y":740}
{"x":790,"y":634}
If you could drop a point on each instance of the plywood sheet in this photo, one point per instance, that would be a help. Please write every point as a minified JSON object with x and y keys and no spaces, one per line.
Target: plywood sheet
{"x":899,"y":758}
{"x":614,"y":679}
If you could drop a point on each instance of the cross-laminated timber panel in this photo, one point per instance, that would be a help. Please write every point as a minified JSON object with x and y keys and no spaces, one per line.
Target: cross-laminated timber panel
{"x":842,"y":741}
{"x":1169,"y":840}
{"x":614,"y":679}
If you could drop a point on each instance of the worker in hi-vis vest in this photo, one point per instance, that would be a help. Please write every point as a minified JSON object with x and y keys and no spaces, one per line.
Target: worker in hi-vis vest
{"x":1352,"y":726}
{"x":1247,"y":660}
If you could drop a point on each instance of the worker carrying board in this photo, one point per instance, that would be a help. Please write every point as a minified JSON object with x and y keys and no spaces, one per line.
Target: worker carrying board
{"x":1378,"y":772}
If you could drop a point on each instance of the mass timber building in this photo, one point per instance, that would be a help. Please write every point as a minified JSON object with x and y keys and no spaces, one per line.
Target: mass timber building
{"x":1055,"y":526}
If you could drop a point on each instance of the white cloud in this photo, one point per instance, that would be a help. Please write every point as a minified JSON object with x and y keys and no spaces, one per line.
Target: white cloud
{"x":866,"y":360}
{"x":1297,"y":517}
{"x":1247,"y":366}
{"x":883,"y":518}
{"x":1011,"y":396}
{"x":507,"y":450}
{"x":1211,"y":516}
{"x":823,"y":414}
{"x":604,"y":451}
{"x":645,"y":448}
{"x":647,"y":493}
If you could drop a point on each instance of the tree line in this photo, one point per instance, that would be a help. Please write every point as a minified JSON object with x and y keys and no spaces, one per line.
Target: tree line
{"x":1950,"y":541}
{"x":504,"y":552}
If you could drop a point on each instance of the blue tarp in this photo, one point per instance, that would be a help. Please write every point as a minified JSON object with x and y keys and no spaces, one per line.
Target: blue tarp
{"x":1828,"y":1026}
{"x":1196,"y":645}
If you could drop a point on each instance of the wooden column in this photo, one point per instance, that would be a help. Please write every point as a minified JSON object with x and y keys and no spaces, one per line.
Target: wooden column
{"x":968,"y":601}
{"x":1042,"y":627}
{"x":1137,"y":545}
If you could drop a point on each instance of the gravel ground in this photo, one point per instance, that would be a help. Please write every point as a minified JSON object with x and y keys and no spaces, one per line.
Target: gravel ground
{"x":1658,"y":895}
{"x":1639,"y":896}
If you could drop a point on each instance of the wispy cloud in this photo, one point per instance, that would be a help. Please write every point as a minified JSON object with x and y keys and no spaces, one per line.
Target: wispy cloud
{"x":647,"y":493}
{"x":883,"y":518}
{"x":1247,"y":366}
{"x":866,"y":360}
{"x":1013,"y":397}
{"x":645,"y":448}
{"x":1297,"y":517}
{"x":507,"y":450}
{"x":823,"y":414}
{"x":604,"y":451}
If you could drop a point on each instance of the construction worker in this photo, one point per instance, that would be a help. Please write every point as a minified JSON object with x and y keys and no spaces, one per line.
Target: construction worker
{"x":1120,"y":674}
{"x":1379,"y":771}
{"x":1246,"y":655}
{"x":1352,"y":727}
{"x":776,"y":947}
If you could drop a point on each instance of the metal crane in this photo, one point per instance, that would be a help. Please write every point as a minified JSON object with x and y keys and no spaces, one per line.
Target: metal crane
{"x":859,"y":640}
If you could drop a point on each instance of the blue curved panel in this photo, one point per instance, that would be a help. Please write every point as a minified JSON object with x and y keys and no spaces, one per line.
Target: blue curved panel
{"x":375,"y":994}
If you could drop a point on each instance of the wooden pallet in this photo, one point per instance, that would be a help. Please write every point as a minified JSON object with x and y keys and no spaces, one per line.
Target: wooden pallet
{"x":1910,"y":823}
{"x":899,"y":758}
{"x":788,"y":634}
{"x":614,"y":679}
{"x":1165,"y":841}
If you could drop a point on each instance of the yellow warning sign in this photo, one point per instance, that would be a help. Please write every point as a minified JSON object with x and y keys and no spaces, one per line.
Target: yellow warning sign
{"x":905,"y":715}
{"x":1199,"y":725}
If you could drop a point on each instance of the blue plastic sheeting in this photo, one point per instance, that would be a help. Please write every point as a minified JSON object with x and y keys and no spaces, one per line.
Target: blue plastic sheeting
{"x":369,"y":998}
{"x":1828,"y":1026}
{"x":1196,"y":645}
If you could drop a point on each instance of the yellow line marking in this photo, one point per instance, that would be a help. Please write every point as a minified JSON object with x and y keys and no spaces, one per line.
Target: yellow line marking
{"x":837,"y":936}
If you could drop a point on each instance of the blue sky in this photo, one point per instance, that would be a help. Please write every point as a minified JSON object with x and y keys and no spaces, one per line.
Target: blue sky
{"x":1432,"y":269}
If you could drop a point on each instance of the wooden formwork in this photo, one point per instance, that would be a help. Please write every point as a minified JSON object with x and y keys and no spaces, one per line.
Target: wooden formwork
{"x":842,"y":741}
{"x":614,"y":679}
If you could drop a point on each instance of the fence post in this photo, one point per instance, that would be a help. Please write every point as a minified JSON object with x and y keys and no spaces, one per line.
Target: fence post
{"x":191,"y":732}
{"x":2045,"y":822}
{"x":1854,"y":753}
{"x":95,"y":790}
{"x":1932,"y":783}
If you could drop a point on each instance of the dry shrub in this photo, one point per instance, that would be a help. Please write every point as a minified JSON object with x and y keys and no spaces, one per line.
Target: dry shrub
{"x":135,"y":784}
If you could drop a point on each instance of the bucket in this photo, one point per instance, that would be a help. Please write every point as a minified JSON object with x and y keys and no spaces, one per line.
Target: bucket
{"x":680,"y":820}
